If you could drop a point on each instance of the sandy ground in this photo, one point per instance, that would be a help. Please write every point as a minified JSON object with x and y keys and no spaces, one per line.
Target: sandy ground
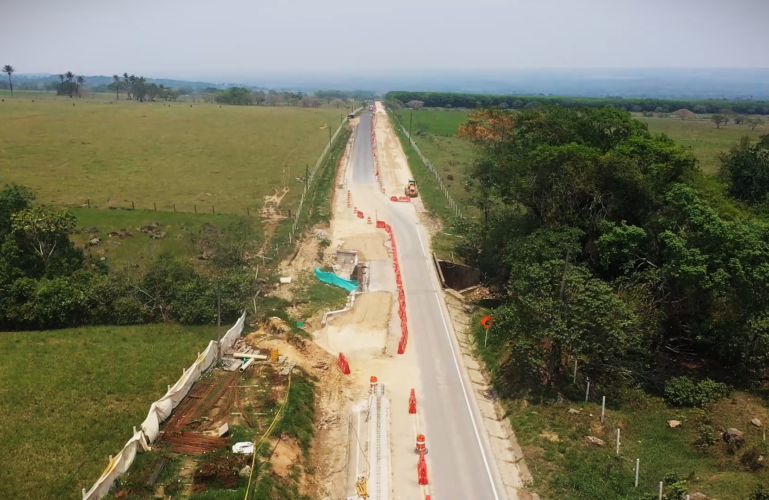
{"x":361,"y":332}
{"x":393,"y":166}
{"x":370,"y":246}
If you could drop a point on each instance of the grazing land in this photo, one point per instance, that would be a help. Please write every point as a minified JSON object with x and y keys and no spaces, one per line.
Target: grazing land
{"x":140,"y":248}
{"x":434,"y":131}
{"x":707,"y":141}
{"x":69,"y":398}
{"x":193,"y":156}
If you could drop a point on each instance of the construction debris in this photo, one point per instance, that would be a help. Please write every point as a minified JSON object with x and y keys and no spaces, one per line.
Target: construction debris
{"x":278,"y":326}
{"x":193,"y":443}
{"x":245,"y":448}
{"x":230,"y":365}
{"x":156,"y":472}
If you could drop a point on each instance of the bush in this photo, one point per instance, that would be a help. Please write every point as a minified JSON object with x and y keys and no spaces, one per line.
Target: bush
{"x":752,"y":459}
{"x":683,"y":391}
{"x":760,"y":493}
{"x":706,"y":437}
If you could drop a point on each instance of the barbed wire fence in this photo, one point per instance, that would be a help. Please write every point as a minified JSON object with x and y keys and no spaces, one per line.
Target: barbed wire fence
{"x":453,"y":205}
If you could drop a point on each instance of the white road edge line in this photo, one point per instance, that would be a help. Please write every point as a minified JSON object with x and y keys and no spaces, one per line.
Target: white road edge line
{"x":424,"y":254}
{"x":467,"y":400}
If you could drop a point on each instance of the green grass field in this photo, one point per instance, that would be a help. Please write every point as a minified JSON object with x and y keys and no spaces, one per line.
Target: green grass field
{"x":226,"y":157}
{"x":706,"y":141}
{"x":140,"y":249}
{"x":70,"y":398}
{"x":435,"y":132}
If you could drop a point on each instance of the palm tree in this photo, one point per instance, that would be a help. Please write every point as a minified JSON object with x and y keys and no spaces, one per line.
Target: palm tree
{"x":10,"y":70}
{"x":69,"y":76}
{"x":116,"y":81}
{"x":80,"y":83}
{"x":127,"y":82}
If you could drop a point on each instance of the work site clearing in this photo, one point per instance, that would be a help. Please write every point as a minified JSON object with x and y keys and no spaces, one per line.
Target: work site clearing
{"x":227,"y":407}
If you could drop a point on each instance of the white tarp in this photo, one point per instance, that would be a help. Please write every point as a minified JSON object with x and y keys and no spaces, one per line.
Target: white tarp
{"x":161,"y":410}
{"x":117,"y":466}
{"x":233,"y":333}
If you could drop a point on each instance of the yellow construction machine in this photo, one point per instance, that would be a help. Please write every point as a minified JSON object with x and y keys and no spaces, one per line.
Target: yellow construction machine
{"x":411,"y":189}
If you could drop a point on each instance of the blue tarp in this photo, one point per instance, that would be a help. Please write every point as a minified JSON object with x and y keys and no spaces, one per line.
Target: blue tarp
{"x":333,"y":279}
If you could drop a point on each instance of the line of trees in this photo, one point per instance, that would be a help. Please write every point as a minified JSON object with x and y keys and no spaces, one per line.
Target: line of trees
{"x":472,"y":101}
{"x":137,"y":88}
{"x":71,"y":85}
{"x":241,"y":96}
{"x":604,"y":250}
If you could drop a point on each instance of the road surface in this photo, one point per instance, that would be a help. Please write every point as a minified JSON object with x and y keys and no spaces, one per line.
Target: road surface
{"x":460,"y":460}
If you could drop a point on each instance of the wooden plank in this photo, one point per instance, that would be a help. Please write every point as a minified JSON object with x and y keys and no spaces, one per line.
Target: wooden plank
{"x":156,"y":473}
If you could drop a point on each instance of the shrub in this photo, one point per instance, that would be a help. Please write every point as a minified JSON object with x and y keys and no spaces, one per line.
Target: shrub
{"x":706,"y":436}
{"x":760,"y":493}
{"x":683,"y":391}
{"x":752,"y":459}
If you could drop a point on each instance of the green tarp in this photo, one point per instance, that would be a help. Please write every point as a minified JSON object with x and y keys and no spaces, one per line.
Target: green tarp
{"x":333,"y":279}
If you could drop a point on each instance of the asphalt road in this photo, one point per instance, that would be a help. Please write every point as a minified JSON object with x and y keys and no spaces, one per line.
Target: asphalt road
{"x":460,"y":460}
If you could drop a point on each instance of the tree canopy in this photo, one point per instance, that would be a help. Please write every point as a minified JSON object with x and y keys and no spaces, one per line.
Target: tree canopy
{"x":593,"y":231}
{"x":472,"y":101}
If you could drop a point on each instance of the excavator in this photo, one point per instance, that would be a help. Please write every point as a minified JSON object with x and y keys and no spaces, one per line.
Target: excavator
{"x":411,"y":189}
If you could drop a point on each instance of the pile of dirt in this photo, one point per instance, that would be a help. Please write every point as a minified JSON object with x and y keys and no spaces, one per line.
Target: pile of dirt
{"x":286,"y":453}
{"x":222,"y":469}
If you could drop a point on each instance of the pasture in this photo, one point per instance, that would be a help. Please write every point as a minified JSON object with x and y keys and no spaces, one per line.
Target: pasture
{"x":69,"y":398}
{"x":132,"y":248}
{"x":707,"y":141}
{"x":434,"y":131}
{"x":194,"y":157}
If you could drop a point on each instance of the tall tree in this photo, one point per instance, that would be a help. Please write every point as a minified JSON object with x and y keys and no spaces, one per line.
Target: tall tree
{"x":70,"y":76}
{"x":44,"y":230}
{"x":80,"y":83}
{"x":127,"y":83}
{"x":755,"y":122}
{"x":116,"y":83}
{"x":719,"y":120}
{"x":9,"y":70}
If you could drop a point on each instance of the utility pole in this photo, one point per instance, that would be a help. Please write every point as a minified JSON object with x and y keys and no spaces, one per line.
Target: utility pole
{"x":219,"y":321}
{"x":411,"y":116}
{"x":306,"y":174}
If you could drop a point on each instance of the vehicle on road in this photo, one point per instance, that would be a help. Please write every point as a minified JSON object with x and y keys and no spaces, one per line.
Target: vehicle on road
{"x":411,"y":189}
